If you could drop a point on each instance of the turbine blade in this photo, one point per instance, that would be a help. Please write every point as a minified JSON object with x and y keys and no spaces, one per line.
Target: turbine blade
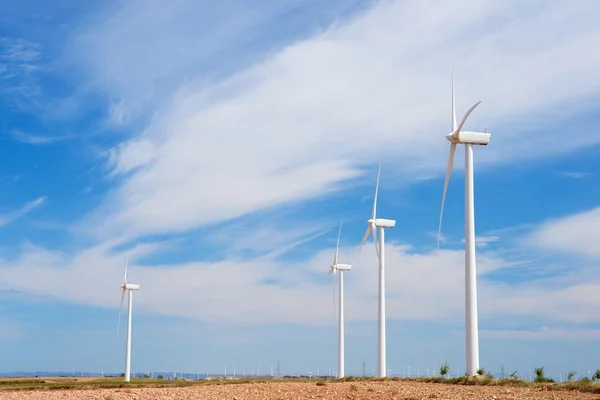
{"x":364,"y":238}
{"x":453,"y":103}
{"x":337,"y":247}
{"x":457,"y":130}
{"x":120,"y":309}
{"x":374,"y":214}
{"x":448,"y":172}
{"x":126,"y":266}
{"x":374,"y":230}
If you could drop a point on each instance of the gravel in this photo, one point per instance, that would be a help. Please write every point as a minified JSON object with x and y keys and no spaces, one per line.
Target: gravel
{"x":388,"y":390}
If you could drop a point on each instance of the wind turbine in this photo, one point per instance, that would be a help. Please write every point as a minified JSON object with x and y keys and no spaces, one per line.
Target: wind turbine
{"x":130,"y":287}
{"x":457,"y":136}
{"x":332,"y":270}
{"x":380,"y":223}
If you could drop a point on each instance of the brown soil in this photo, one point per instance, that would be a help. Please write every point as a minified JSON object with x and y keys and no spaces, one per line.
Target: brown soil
{"x":388,"y":390}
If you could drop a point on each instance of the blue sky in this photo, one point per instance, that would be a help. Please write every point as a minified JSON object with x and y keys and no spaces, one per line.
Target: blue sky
{"x":219,"y":145}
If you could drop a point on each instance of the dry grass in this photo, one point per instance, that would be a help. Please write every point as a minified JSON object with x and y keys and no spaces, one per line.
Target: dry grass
{"x":346,"y":389}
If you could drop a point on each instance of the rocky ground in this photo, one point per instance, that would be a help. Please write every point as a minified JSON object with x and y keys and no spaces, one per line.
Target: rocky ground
{"x":388,"y":390}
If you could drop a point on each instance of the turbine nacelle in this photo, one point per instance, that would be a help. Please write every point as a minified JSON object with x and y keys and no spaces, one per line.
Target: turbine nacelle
{"x":341,"y":267}
{"x":382,"y":223}
{"x":130,"y":286}
{"x":466,"y":137}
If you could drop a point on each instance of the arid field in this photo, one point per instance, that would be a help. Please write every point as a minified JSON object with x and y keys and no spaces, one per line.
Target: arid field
{"x":363,"y":389}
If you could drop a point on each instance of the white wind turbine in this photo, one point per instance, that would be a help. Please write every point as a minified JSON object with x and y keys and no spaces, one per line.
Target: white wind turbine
{"x":332,"y":270}
{"x":130,"y":287}
{"x":457,"y":136}
{"x":380,"y":223}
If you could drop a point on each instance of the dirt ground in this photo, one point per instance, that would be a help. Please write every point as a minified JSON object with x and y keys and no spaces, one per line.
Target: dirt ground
{"x":389,"y":390}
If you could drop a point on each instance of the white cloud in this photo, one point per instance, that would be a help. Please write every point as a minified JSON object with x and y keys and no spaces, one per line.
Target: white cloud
{"x":25,"y":209}
{"x":309,"y":116}
{"x":576,"y":234}
{"x":484,"y":241}
{"x":18,"y":60}
{"x":543,"y":333}
{"x":29,"y":138}
{"x":131,"y":155}
{"x":261,"y":290}
{"x":576,"y":175}
{"x":574,"y":302}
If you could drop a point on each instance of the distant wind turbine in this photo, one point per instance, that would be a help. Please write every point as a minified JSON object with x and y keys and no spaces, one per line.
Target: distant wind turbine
{"x":457,"y":136}
{"x":380,"y":223}
{"x":332,"y":270}
{"x":130,"y":287}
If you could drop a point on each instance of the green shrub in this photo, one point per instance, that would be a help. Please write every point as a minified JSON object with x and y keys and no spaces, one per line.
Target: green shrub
{"x":540,"y":377}
{"x":444,"y":369}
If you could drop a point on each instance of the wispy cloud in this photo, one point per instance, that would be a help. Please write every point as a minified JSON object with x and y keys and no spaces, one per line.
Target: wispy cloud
{"x":263,"y":236}
{"x":292,"y":127}
{"x":575,"y":234}
{"x":27,"y":208}
{"x":18,"y":63}
{"x":484,"y":241}
{"x":28,"y":138}
{"x":576,"y":175}
{"x":257,"y":290}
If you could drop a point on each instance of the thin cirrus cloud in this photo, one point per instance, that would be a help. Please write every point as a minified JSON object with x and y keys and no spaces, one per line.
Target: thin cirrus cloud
{"x":576,"y":175}
{"x":296,"y":123}
{"x":18,"y":60}
{"x":32,"y":139}
{"x":25,"y":209}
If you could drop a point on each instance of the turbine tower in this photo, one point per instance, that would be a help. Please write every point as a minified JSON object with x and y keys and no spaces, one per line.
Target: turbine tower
{"x":332,"y":270}
{"x":380,"y":223}
{"x":457,"y":136}
{"x":130,"y":287}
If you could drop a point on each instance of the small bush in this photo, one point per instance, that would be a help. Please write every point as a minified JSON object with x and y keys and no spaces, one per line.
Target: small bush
{"x":444,"y":369}
{"x":571,"y":375}
{"x":540,"y":377}
{"x":480,"y":371}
